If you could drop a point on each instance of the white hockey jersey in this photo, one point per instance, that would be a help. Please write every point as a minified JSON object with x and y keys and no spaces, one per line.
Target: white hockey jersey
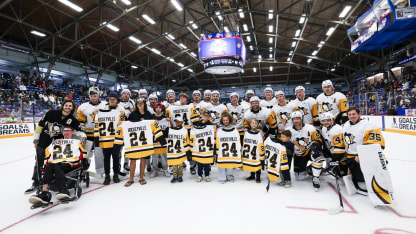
{"x":276,"y":159}
{"x":252,"y":151}
{"x":163,"y":124}
{"x":282,"y":114}
{"x":68,"y":151}
{"x":336,"y":103}
{"x":264,"y":116}
{"x":177,"y":145}
{"x":361,"y":133}
{"x":308,"y":107}
{"x":202,"y":140}
{"x":215,"y":112}
{"x":201,"y":107}
{"x":168,"y":104}
{"x":106,"y":122}
{"x":303,"y":139}
{"x":187,"y":112}
{"x":138,"y":138}
{"x":228,"y":148}
{"x":268,"y":104}
{"x":333,"y":138}
{"x":237,"y":112}
{"x":246,"y":105}
{"x":128,"y":106}
{"x":85,"y":114}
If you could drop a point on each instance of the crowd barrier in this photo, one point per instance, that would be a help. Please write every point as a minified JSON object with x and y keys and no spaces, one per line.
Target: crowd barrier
{"x":11,"y":130}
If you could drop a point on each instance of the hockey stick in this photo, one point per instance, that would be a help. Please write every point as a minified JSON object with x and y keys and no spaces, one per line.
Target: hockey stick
{"x":340,"y":208}
{"x":93,"y":174}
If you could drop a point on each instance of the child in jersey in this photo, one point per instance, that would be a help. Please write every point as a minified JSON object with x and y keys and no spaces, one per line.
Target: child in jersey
{"x":253,"y":154}
{"x":202,"y":167}
{"x":176,"y":161}
{"x":290,"y":148}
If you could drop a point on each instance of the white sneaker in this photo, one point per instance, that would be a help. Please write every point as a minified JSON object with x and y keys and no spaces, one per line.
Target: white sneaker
{"x":199,"y":179}
{"x":153,"y":174}
{"x":166,"y":173}
{"x":207,"y":179}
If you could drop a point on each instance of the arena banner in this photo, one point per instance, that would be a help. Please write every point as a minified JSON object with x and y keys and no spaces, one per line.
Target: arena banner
{"x":375,"y":119}
{"x":400,"y":124}
{"x":11,"y":130}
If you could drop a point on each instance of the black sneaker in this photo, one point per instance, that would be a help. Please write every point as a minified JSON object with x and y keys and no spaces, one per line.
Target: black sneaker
{"x":258,"y":180}
{"x":116,"y":179}
{"x":122,"y":173}
{"x":43,"y":197}
{"x":107,"y":180}
{"x":193,"y":171}
{"x":31,"y":189}
{"x":316,"y":183}
{"x":251,"y":177}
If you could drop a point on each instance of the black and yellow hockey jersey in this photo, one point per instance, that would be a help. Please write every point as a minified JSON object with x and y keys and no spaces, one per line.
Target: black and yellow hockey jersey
{"x":276,"y":158}
{"x":137,"y":137}
{"x":68,"y":151}
{"x":309,"y":109}
{"x":85,"y":115}
{"x":228,"y":148}
{"x":177,"y":145}
{"x":106,"y":122}
{"x":202,"y":140}
{"x":336,"y":103}
{"x":361,"y":133}
{"x":253,"y":151}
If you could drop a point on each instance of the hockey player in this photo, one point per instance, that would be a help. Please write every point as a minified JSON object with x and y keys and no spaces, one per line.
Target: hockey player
{"x":333,"y":138}
{"x":187,"y":112}
{"x":246,"y":103}
{"x":170,"y":98}
{"x":106,"y":121}
{"x":334,"y":102}
{"x":253,"y":151}
{"x":85,"y":114}
{"x":269,"y":101}
{"x":217,"y":107}
{"x":207,"y":96}
{"x":357,"y":132}
{"x":50,"y":127}
{"x":282,"y":111}
{"x":199,"y":105}
{"x":152,"y":103}
{"x":66,"y":152}
{"x":228,"y":147}
{"x":307,"y":106}
{"x":264,"y":116}
{"x":143,"y":93}
{"x":308,"y":147}
{"x":237,"y":112}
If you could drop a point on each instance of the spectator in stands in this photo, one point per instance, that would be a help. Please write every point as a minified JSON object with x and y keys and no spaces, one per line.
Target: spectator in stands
{"x":413,"y":92}
{"x":392,"y":111}
{"x":11,"y":119}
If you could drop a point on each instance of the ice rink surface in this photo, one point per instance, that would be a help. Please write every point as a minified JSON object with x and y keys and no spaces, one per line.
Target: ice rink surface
{"x":191,"y":207}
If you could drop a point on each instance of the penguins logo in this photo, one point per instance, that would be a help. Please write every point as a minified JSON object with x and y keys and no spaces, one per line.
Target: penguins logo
{"x":349,"y":139}
{"x":55,"y":130}
{"x":284,"y":117}
{"x":326,"y":107}
{"x":214,"y":115}
{"x":302,"y":109}
{"x":302,"y":143}
{"x":236,"y":116}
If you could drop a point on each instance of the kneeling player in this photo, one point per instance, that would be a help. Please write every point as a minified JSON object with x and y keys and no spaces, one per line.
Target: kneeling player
{"x":66,"y":153}
{"x":308,"y":147}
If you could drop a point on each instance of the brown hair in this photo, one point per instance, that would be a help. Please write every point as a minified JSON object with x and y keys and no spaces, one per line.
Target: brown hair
{"x":287,"y":133}
{"x":225,"y":114}
{"x":353,"y":108}
{"x":74,"y":107}
{"x":184,"y":95}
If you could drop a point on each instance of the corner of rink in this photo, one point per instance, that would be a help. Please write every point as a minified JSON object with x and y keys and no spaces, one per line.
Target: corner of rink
{"x":239,"y":207}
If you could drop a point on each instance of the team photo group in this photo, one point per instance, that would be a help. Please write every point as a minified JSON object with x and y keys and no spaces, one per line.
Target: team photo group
{"x":307,"y":138}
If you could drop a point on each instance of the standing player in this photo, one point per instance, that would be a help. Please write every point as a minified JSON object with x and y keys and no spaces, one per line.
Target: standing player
{"x":217,"y":108}
{"x":170,"y":98}
{"x":106,"y":121}
{"x":334,"y":102}
{"x":237,"y":112}
{"x":85,"y":114}
{"x":357,"y":132}
{"x":266,"y":118}
{"x":308,"y":147}
{"x":282,"y":111}
{"x":152,"y":103}
{"x":246,"y":103}
{"x":207,"y":96}
{"x":143,"y":93}
{"x":269,"y":101}
{"x":307,"y":106}
{"x":128,"y":106}
{"x":198,"y":104}
{"x":50,"y":127}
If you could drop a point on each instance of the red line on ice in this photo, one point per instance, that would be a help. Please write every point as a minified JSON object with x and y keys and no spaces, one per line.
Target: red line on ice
{"x":352,"y":211}
{"x":400,"y":215}
{"x":44,"y":210}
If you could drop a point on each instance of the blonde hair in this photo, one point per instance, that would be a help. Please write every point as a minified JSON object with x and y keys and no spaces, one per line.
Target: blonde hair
{"x":257,"y":121}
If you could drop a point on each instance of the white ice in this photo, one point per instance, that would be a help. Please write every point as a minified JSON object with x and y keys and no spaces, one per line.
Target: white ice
{"x":191,"y":207}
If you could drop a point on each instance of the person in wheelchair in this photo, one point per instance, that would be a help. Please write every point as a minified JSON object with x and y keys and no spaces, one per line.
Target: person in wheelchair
{"x":61,"y":157}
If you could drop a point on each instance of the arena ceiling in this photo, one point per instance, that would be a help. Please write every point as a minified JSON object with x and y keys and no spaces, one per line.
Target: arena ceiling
{"x":136,"y":49}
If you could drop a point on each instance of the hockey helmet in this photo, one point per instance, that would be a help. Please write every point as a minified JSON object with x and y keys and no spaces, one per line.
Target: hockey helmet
{"x":126,"y":91}
{"x":280,"y":92}
{"x":249,"y":91}
{"x":327,"y":83}
{"x":299,"y":88}
{"x":268,"y":89}
{"x":327,"y":115}
{"x":94,"y":90}
{"x":196,"y":92}
{"x":234,"y":94}
{"x":296,"y":114}
{"x":254,"y":99}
